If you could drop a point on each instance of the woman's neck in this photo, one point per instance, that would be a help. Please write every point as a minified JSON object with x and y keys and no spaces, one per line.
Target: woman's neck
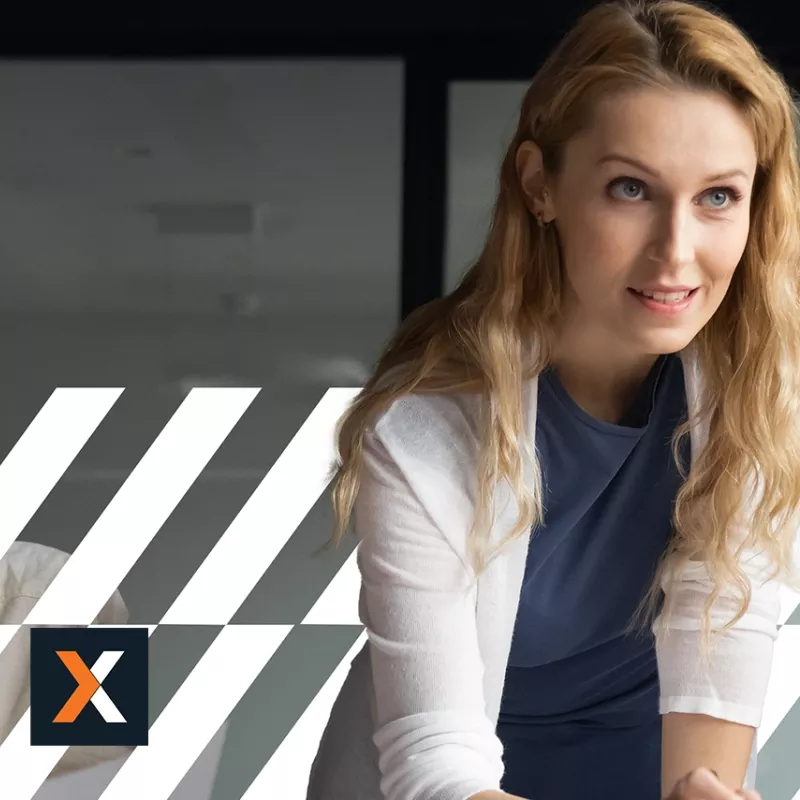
{"x":602,"y":381}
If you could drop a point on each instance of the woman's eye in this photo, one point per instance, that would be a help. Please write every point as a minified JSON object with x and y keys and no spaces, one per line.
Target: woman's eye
{"x":720,"y":198}
{"x":626,"y":189}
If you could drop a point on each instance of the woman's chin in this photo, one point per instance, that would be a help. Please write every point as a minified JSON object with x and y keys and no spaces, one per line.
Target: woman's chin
{"x":664,"y":342}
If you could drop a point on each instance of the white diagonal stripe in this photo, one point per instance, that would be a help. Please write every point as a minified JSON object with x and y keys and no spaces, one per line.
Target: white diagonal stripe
{"x":24,"y":768}
{"x":790,"y":599}
{"x":338,"y":604}
{"x":44,"y":452}
{"x":201,"y":705}
{"x":783,"y":689}
{"x":286,"y":774}
{"x":265,"y":523}
{"x":141,"y":506}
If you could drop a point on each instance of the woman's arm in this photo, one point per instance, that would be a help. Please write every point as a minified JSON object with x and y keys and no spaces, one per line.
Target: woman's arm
{"x":712,"y":707}
{"x":433,"y":736}
{"x":692,"y":741}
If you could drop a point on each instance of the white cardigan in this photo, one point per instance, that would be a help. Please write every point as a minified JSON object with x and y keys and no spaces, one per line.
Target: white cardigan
{"x":432,"y":679}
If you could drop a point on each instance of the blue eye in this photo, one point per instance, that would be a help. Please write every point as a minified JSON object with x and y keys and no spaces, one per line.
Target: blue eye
{"x":719,"y":198}
{"x":726,"y":196}
{"x":626,"y":189}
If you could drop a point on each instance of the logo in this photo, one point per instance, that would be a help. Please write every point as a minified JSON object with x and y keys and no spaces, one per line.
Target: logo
{"x":89,"y":686}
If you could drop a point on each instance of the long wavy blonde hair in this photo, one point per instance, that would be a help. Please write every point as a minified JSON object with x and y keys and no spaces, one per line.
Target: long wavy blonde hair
{"x":477,"y":338}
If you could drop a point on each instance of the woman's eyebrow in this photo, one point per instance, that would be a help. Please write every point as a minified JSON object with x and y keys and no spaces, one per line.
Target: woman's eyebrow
{"x":719,"y":176}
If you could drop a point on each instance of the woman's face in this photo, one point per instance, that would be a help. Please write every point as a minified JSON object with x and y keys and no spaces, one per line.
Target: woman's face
{"x":652,"y":207}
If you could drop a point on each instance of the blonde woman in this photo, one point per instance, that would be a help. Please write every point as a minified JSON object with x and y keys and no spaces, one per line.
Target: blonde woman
{"x":576,"y":480}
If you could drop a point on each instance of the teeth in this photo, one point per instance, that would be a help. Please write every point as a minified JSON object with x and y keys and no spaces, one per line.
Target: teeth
{"x":666,"y":297}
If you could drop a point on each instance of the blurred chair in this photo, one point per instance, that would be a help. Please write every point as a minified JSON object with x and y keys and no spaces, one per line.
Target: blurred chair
{"x":26,"y":570}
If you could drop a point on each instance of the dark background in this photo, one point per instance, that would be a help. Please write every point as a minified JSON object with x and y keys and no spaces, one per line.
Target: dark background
{"x":439,"y":43}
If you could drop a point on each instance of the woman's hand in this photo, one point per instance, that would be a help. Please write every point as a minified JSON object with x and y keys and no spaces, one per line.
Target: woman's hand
{"x":703,"y":784}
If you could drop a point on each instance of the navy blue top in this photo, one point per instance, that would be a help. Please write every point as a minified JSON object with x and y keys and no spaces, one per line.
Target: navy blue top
{"x":579,"y":716}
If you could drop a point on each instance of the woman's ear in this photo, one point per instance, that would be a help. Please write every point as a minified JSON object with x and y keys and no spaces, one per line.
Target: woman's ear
{"x":530,"y":171}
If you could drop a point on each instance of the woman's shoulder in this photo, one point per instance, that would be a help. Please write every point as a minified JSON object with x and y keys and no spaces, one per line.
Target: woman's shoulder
{"x":431,"y":417}
{"x":431,"y":434}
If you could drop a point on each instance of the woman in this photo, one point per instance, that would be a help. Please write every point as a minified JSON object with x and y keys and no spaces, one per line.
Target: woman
{"x":597,"y":430}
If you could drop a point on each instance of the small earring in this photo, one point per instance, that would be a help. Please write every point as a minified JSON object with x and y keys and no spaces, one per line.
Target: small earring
{"x":540,"y":214}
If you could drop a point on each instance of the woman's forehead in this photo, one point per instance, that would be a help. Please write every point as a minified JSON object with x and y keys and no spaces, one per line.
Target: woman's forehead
{"x":668,"y":131}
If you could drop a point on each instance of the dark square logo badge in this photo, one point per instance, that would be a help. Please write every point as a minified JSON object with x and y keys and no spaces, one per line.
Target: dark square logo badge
{"x":89,"y":686}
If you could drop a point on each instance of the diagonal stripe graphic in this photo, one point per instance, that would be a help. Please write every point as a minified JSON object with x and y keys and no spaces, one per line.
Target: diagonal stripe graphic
{"x":188,"y":723}
{"x":285,"y":775}
{"x":121,"y":533}
{"x":24,"y":768}
{"x":794,"y":617}
{"x":778,"y":776}
{"x":338,"y":604}
{"x":266,"y":522}
{"x":173,"y":653}
{"x":44,"y":452}
{"x":783,"y":689}
{"x":207,"y":509}
{"x":276,"y":700}
{"x":790,"y":606}
{"x":139,"y":509}
{"x":301,"y":571}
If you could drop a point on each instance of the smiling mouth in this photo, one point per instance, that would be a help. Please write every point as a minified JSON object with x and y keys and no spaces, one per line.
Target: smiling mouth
{"x":667,"y":298}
